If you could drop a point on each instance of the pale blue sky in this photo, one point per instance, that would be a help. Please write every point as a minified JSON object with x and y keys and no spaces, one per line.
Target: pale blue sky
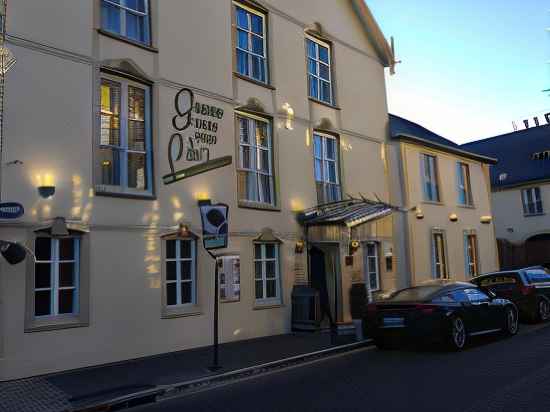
{"x":469,"y":67}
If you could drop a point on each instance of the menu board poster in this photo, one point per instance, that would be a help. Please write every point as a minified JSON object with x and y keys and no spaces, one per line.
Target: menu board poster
{"x":229,"y":269}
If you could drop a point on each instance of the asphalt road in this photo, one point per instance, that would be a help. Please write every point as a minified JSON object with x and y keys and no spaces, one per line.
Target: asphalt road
{"x":492,"y":375}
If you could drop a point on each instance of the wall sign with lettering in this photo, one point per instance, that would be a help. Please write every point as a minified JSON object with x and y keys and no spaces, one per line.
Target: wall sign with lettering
{"x":196,"y":128}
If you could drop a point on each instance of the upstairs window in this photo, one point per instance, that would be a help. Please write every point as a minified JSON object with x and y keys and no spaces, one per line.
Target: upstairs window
{"x":251,"y":43}
{"x":125,"y":152}
{"x":428,"y":166}
{"x":463,"y":184}
{"x":532,"y":201}
{"x":319,"y":70}
{"x":326,"y":154}
{"x":256,"y":180}
{"x":126,"y":18}
{"x":56,"y":276}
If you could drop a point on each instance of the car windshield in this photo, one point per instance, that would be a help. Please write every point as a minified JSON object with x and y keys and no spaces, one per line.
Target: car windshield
{"x":418,"y":293}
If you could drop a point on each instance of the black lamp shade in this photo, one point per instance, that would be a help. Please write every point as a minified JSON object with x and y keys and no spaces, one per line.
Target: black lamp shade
{"x":13,"y":252}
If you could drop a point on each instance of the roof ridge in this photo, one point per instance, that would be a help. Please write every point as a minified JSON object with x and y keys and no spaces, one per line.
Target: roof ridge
{"x":515,"y":132}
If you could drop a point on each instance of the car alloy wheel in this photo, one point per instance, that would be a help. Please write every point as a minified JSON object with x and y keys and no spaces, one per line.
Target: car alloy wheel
{"x":458,"y":332}
{"x":511,"y":321}
{"x":544,"y":310}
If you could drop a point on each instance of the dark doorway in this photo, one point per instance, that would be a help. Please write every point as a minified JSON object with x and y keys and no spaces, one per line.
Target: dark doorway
{"x":323,"y":266}
{"x":537,"y":250}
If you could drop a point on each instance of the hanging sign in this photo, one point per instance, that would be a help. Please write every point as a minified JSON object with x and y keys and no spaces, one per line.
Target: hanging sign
{"x":214,"y":225}
{"x":11,"y":210}
{"x":193,"y":147}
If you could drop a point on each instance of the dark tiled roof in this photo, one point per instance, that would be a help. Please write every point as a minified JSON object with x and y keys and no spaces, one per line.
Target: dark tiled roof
{"x":514,"y":152}
{"x":401,"y":128}
{"x":349,"y":212}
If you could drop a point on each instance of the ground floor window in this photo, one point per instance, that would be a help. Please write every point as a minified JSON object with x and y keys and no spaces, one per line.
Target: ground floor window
{"x":372,"y":267}
{"x":180,"y":272}
{"x":267,"y":273}
{"x":439,"y":257}
{"x":56,"y":276}
{"x":471,"y":255}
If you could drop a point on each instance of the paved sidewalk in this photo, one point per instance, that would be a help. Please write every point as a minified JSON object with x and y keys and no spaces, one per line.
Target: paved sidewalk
{"x":76,"y":389}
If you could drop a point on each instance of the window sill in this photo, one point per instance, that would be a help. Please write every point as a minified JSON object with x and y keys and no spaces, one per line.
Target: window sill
{"x":181,"y":312}
{"x":433,"y":202}
{"x":314,"y":100}
{"x":262,"y":306}
{"x":127,"y":40}
{"x":253,"y":81}
{"x":55,"y":323}
{"x":533,"y":214}
{"x":245,"y":204}
{"x":466,"y":206}
{"x":112,"y":192}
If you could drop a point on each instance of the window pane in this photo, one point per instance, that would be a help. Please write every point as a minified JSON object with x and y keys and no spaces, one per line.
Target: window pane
{"x":323,"y":54}
{"x":110,"y":17}
{"x":257,"y":68}
{"x":257,"y":251}
{"x":269,"y":251}
{"x":313,"y":87}
{"x":136,"y":117}
{"x":371,"y":249}
{"x":171,"y":270}
{"x":186,"y":270}
{"x":242,"y":62}
{"x":66,"y":275}
{"x":373,"y":281}
{"x":185,"y":249}
{"x":138,"y":5}
{"x":66,"y":249}
{"x":325,"y":91}
{"x":42,"y":301}
{"x":245,"y":158}
{"x":242,"y":39}
{"x":312,"y":66}
{"x":271,"y":286}
{"x":257,"y":24}
{"x":186,"y":292}
{"x":258,"y":45}
{"x":43,"y":248}
{"x":135,"y":27}
{"x":259,"y":289}
{"x":243,"y":127}
{"x":42,"y":275}
{"x":324,"y":72}
{"x":252,"y":187}
{"x":318,"y":146}
{"x":66,"y":301}
{"x":242,"y":18}
{"x":311,"y":49}
{"x":331,"y":148}
{"x":331,"y":168}
{"x":170,"y":249}
{"x":270,"y":269}
{"x":263,"y":163}
{"x":136,"y":171}
{"x":265,"y":186}
{"x":110,"y":112}
{"x":258,"y":270}
{"x":333,"y":192}
{"x":109,"y":160}
{"x":171,"y":294}
{"x":318,"y":170}
{"x":372,"y":265}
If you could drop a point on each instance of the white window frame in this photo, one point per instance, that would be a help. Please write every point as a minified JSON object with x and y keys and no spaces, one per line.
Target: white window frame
{"x":536,"y":200}
{"x":249,"y":53}
{"x":55,"y":288}
{"x":469,"y":263}
{"x":179,"y":280}
{"x":441,"y":266}
{"x":263,"y":259}
{"x":124,"y":10}
{"x":464,"y":184}
{"x":375,"y":258}
{"x":430,"y":177}
{"x":123,"y":148}
{"x":255,"y":152}
{"x":317,"y":75}
{"x":325,"y":182}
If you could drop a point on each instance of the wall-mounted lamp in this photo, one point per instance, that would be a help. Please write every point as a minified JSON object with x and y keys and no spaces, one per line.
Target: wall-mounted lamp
{"x":45,"y":185}
{"x":419,"y":213}
{"x":183,"y":230}
{"x":46,"y":192}
{"x":353,"y":246}
{"x":486,"y":219}
{"x":299,"y":248}
{"x":453,"y":217}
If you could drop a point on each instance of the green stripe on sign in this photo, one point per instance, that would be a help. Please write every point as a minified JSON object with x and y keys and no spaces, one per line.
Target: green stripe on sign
{"x":198,"y":169}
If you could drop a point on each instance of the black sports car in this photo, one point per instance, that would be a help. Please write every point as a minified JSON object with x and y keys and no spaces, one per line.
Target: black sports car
{"x":439,"y":312}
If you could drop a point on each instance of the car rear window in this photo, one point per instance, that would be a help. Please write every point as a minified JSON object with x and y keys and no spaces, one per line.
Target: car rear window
{"x":498,"y":280}
{"x":537,"y":276}
{"x":418,"y":293}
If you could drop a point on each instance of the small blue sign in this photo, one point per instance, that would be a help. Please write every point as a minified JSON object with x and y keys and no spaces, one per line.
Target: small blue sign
{"x":11,"y":210}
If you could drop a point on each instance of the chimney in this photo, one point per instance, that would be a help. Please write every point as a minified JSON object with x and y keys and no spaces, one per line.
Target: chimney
{"x":536,"y":121}
{"x":547,"y":117}
{"x":526,"y":123}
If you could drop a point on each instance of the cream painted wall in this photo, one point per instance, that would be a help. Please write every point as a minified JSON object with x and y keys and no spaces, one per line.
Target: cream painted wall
{"x":50,"y":127}
{"x":436,"y":215}
{"x":508,"y":210}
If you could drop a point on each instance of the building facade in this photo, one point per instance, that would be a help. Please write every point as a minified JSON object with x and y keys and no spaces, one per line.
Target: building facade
{"x":448,"y":231}
{"x":521,"y":194}
{"x":134,"y":111}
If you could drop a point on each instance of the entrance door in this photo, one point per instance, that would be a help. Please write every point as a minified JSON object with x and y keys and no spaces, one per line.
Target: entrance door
{"x":324,"y":275}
